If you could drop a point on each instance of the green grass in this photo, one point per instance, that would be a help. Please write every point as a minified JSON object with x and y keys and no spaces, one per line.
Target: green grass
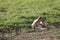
{"x":23,"y":12}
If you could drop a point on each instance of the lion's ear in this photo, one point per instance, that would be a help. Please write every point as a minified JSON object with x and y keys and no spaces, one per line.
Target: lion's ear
{"x":40,"y":17}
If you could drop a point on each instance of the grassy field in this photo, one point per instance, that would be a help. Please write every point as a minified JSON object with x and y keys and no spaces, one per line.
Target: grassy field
{"x":23,"y":12}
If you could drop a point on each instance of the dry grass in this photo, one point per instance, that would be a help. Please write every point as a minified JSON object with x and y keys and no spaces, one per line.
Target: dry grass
{"x":53,"y":34}
{"x":43,"y":35}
